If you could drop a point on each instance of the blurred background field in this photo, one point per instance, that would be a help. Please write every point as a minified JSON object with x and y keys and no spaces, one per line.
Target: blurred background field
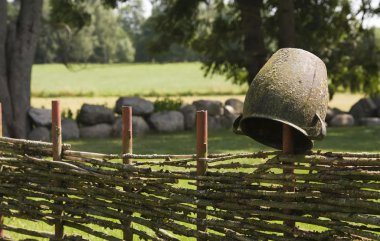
{"x":55,"y":80}
{"x":103,"y":84}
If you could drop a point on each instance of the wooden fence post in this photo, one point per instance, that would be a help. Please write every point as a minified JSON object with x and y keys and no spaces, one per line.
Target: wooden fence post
{"x":202,"y":146}
{"x":288,"y":148}
{"x":56,"y":136}
{"x":1,"y":135}
{"x":127,"y":149}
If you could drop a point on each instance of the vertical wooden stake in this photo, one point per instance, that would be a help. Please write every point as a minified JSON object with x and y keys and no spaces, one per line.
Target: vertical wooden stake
{"x":127,"y":132}
{"x":202,"y":146}
{"x":56,"y":135}
{"x":1,"y":135}
{"x":127,"y":149}
{"x":288,"y":148}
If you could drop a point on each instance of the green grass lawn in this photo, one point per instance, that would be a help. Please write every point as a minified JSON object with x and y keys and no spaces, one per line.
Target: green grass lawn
{"x":354,"y":139}
{"x":51,"y":80}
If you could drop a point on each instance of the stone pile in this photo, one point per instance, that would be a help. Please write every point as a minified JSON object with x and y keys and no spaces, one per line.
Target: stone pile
{"x":96,"y":121}
{"x":365,"y":112}
{"x":41,"y":120}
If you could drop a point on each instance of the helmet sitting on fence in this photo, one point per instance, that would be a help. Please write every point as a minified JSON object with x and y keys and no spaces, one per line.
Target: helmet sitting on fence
{"x":291,"y":88}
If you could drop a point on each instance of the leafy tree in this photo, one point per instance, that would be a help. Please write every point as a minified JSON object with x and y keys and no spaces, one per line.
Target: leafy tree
{"x":235,"y":38}
{"x":143,"y":44}
{"x":125,"y":51}
{"x":48,"y":43}
{"x":228,"y":35}
{"x":131,"y":17}
{"x":99,"y":40}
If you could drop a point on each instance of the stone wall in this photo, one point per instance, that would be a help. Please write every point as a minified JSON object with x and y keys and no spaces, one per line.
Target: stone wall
{"x":96,"y":121}
{"x":365,"y":112}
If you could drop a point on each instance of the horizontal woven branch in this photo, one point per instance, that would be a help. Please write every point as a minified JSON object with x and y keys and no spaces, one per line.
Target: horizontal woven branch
{"x":243,"y":193}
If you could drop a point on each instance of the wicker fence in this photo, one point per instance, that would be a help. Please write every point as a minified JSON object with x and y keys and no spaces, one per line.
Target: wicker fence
{"x":334,"y":196}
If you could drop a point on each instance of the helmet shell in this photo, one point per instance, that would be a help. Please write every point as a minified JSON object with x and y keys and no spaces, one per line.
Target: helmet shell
{"x":291,"y":88}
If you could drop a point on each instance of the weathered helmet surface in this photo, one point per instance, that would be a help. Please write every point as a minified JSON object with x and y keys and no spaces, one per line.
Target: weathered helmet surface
{"x":291,"y":88}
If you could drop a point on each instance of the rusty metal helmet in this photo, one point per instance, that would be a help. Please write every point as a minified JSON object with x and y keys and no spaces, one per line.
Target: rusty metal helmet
{"x":291,"y":88}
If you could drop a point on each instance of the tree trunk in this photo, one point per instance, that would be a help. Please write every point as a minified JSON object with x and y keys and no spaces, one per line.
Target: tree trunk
{"x":251,"y":25}
{"x":287,"y":32}
{"x":5,"y":98}
{"x":17,"y":49}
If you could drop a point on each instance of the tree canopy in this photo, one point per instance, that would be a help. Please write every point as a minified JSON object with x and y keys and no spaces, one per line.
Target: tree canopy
{"x":85,"y":32}
{"x":235,"y":38}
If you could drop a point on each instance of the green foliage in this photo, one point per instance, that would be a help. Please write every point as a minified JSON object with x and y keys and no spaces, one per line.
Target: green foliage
{"x":336,"y":36}
{"x":144,"y":42}
{"x":357,"y":67}
{"x":212,"y":30}
{"x":48,"y":43}
{"x":91,"y":32}
{"x":131,"y":17}
{"x":329,"y":29}
{"x":73,"y":14}
{"x":72,"y":37}
{"x":166,"y":103}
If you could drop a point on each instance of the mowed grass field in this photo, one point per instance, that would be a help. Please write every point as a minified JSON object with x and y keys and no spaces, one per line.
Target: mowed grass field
{"x":55,"y":80}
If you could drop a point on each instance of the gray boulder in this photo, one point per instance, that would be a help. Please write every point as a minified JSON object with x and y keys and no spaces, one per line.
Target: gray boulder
{"x":236,"y":104}
{"x":229,"y":110}
{"x":331,"y":112}
{"x":365,"y":107}
{"x":228,"y":120}
{"x":376,"y":100}
{"x":167,"y":121}
{"x":370,"y":121}
{"x":139,"y":126}
{"x":70,"y":129}
{"x":39,"y":134}
{"x":40,"y":117}
{"x":140,"y":107}
{"x":189,"y":113}
{"x":215,"y":122}
{"x":221,"y":122}
{"x":96,"y":131}
{"x":95,"y":114}
{"x":342,"y":120}
{"x":213,"y":107}
{"x":229,"y":116}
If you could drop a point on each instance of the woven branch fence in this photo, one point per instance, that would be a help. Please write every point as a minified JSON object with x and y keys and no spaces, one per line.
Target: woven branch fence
{"x":245,"y":196}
